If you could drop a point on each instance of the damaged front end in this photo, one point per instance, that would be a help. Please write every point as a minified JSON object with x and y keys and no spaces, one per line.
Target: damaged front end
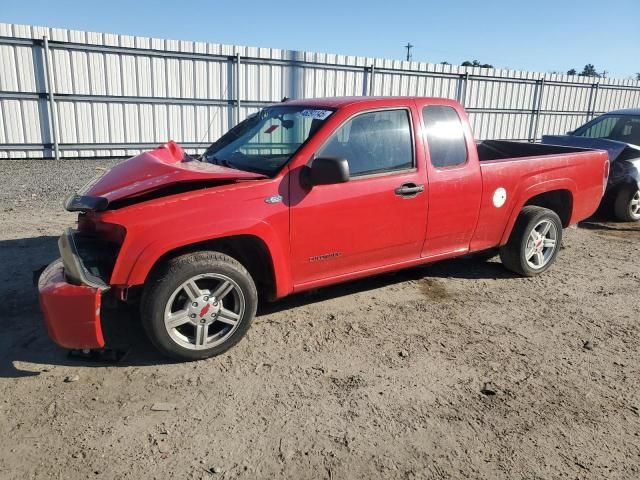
{"x":167,"y":170}
{"x":72,"y":288}
{"x":88,"y":258}
{"x":71,"y":312}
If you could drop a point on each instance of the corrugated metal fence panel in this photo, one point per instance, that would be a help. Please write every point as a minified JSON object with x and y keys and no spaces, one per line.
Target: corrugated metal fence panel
{"x":487,"y":125}
{"x":20,"y":115}
{"x":616,"y":98}
{"x":115,"y":95}
{"x":556,"y":124}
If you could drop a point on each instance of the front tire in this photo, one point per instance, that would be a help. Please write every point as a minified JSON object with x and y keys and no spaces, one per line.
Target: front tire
{"x":198,"y":305}
{"x":534,"y":242}
{"x":626,"y":206}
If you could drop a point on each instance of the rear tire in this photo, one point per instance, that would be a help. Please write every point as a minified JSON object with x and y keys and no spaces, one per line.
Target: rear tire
{"x":626,"y":206}
{"x":198,"y":305}
{"x":534,"y":242}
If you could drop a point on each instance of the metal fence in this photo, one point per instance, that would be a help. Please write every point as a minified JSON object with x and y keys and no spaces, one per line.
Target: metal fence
{"x":66,"y":93}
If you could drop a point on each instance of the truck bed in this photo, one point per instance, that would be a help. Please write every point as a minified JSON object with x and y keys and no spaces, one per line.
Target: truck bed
{"x":507,"y":150}
{"x":525,"y":169}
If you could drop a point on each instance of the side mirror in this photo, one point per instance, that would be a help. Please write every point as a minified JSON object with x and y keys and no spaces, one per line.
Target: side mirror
{"x":326,"y":171}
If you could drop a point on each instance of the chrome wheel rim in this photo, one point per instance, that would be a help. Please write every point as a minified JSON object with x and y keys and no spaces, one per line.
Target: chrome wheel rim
{"x":204,"y":311}
{"x":634,"y":207}
{"x":541,"y":244}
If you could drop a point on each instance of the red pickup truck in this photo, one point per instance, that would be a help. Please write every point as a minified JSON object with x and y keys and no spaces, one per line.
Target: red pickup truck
{"x":303,"y":194}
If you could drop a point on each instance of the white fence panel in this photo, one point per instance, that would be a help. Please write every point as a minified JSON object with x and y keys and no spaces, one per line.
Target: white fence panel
{"x":116,"y":95}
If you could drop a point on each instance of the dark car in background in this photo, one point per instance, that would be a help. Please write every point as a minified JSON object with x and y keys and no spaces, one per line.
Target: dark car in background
{"x":618,"y":133}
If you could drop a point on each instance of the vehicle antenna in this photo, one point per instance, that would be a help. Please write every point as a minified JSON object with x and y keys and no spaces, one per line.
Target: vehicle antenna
{"x":213,"y":117}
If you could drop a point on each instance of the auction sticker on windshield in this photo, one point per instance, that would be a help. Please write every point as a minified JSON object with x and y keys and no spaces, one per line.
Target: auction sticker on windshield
{"x":317,"y":114}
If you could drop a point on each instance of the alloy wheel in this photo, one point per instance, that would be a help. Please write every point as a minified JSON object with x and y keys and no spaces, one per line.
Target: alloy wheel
{"x":204,"y":311}
{"x":541,"y":244}
{"x":634,"y":207}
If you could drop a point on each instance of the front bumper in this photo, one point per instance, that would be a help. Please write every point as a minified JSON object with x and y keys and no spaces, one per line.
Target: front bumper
{"x":71,"y":312}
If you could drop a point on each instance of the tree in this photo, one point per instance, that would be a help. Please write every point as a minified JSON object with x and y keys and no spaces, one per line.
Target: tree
{"x":638,"y":77}
{"x":445,"y":63}
{"x":572,"y":72}
{"x":476,"y":63}
{"x":589,"y":71}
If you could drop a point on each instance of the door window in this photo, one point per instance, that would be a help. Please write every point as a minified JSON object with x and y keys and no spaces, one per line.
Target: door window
{"x":444,"y":136}
{"x":373,"y":142}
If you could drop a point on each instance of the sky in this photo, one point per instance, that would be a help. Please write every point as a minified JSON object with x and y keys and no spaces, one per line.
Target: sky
{"x":538,"y":35}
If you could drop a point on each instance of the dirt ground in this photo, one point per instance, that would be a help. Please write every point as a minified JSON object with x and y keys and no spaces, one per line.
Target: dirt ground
{"x":380,"y":378}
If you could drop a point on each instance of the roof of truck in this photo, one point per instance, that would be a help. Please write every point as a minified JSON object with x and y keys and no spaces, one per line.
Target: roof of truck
{"x":339,"y":102}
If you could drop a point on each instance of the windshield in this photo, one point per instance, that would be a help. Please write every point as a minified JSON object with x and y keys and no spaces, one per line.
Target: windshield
{"x":265,"y":142}
{"x":622,"y":128}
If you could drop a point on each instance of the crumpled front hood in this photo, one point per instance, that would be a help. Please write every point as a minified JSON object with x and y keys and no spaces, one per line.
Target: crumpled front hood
{"x":149,"y":171}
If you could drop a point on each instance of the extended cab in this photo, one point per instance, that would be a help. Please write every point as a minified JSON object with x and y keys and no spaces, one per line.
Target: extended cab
{"x":300,"y":195}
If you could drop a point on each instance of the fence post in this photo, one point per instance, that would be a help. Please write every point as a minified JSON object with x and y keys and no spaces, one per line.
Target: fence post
{"x":535,"y":110}
{"x":372,"y":73}
{"x":461,"y":94}
{"x":593,"y":98}
{"x":538,"y":109}
{"x":53,"y":114}
{"x":237,"y":88}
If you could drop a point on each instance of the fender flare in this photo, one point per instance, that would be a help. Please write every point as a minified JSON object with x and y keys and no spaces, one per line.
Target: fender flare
{"x":532,"y":191}
{"x":155,"y":250}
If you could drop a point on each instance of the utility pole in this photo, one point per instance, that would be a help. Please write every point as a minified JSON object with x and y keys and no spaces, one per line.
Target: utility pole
{"x":408,"y":46}
{"x":604,"y":74}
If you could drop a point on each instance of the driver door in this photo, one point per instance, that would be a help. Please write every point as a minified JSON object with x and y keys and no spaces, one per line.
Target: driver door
{"x":377,"y":218}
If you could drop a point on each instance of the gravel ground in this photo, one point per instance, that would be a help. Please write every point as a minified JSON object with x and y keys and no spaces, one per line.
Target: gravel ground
{"x":454,"y":370}
{"x":44,"y":184}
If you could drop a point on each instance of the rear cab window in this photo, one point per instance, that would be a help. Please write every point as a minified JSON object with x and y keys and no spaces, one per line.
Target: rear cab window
{"x":444,"y":135}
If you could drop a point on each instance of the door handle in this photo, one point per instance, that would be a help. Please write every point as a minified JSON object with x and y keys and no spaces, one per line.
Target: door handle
{"x":409,"y":189}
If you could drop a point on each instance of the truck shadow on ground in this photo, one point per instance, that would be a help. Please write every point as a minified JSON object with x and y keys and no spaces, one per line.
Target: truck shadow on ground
{"x":603,"y":224}
{"x":466,"y":268}
{"x":24,"y":338}
{"x":604,"y":220}
{"x":609,"y":226}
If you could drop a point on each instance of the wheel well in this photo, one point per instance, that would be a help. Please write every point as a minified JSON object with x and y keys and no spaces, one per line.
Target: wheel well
{"x":249,"y":250}
{"x":560,"y":201}
{"x":631,"y":185}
